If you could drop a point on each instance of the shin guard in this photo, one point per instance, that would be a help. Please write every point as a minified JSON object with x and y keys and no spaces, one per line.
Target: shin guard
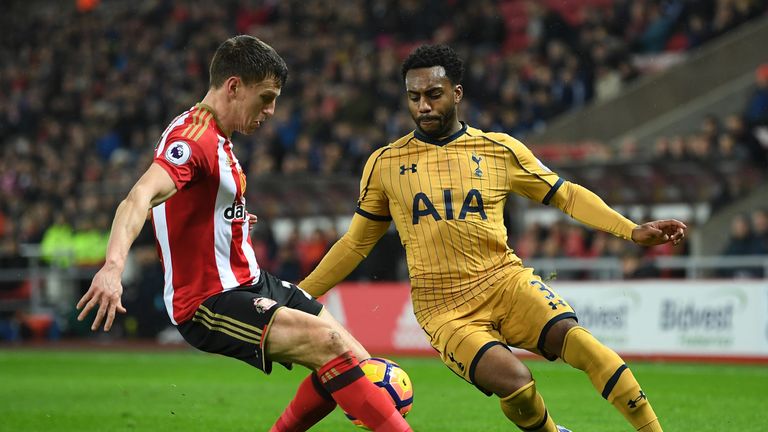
{"x":610,"y":376}
{"x":526,"y":409}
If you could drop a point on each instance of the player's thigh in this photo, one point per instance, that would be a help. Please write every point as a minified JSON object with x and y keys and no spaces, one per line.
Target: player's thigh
{"x":239,"y":324}
{"x":234,"y":323}
{"x":356,"y":347}
{"x":298,"y":337}
{"x":462,"y":341}
{"x":310,"y":340}
{"x":528,"y":311}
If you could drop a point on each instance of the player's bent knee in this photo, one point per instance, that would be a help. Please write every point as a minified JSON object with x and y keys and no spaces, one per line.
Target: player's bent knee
{"x":554,"y":338}
{"x":500,"y":372}
{"x":349,"y":341}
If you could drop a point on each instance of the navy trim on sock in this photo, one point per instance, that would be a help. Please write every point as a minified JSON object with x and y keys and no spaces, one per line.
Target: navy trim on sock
{"x":612,"y":382}
{"x":320,"y":389}
{"x":343,"y":380}
{"x":538,"y":426}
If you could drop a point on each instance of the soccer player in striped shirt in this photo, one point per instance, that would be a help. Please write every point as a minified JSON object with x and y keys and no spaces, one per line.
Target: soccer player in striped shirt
{"x":444,"y":185}
{"x":215,"y":292}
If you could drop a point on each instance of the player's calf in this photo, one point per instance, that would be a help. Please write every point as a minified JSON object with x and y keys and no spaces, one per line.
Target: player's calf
{"x":611,"y":377}
{"x":500,"y":372}
{"x":343,"y":378}
{"x":525,"y":408}
{"x":310,"y":405}
{"x":308,"y":340}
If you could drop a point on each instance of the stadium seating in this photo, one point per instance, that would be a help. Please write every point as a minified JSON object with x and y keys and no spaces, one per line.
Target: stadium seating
{"x":87,"y":92}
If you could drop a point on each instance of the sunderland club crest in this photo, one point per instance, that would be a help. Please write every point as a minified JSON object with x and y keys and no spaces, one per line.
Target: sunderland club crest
{"x":263,"y":304}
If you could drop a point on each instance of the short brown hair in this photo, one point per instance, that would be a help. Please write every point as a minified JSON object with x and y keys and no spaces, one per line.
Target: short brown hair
{"x":249,"y":58}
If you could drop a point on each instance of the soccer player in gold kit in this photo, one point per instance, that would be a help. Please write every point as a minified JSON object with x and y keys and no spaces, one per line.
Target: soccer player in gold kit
{"x":444,"y":185}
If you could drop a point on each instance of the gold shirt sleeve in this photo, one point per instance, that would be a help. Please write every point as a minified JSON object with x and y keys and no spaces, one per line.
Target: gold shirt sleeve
{"x":537,"y":182}
{"x":583,"y":205}
{"x":345,"y":255}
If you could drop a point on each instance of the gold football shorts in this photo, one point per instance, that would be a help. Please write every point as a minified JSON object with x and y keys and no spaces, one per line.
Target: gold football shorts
{"x":517,"y":311}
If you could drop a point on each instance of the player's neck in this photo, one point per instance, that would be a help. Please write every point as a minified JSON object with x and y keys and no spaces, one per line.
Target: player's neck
{"x":214,"y":103}
{"x":456,"y":127}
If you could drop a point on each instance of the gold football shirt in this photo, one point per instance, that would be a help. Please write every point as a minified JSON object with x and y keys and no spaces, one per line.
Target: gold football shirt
{"x":447,"y":201}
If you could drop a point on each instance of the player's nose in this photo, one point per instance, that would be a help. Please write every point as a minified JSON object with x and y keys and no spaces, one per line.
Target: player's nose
{"x":269,"y":109}
{"x":424,"y":106}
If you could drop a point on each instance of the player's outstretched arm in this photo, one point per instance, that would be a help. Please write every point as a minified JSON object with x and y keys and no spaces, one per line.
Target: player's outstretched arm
{"x":106,"y":289}
{"x":586,"y":207}
{"x":659,"y":232}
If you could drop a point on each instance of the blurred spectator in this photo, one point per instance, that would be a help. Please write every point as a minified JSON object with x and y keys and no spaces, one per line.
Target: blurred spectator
{"x":552,"y":247}
{"x":759,"y":220}
{"x":740,"y":243}
{"x":660,"y":19}
{"x":57,"y":246}
{"x":311,"y":250}
{"x":697,"y":31}
{"x":11,"y":259}
{"x":635,"y":266}
{"x":383,"y":262}
{"x":265,"y":246}
{"x":747,"y":141}
{"x":729,"y":148}
{"x":710,"y":130}
{"x":90,"y":240}
{"x":287,"y":264}
{"x":574,"y":244}
{"x":757,"y":107}
{"x":528,"y":244}
{"x":85,"y":85}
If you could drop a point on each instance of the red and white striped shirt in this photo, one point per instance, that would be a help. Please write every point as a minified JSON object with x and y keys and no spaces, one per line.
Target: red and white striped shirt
{"x":201,"y":231}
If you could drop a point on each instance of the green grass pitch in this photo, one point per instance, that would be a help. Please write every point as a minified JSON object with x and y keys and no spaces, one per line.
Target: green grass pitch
{"x":189,"y":391}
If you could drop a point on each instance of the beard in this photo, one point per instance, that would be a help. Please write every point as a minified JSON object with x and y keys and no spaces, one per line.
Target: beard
{"x":439,"y":125}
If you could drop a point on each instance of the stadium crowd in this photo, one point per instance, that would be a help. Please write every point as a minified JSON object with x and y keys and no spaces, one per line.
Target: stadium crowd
{"x":84,"y":94}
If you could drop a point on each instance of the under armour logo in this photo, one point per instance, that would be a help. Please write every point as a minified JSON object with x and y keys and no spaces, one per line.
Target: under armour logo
{"x":632,"y":403}
{"x":476,"y":159}
{"x":554,"y":305}
{"x":403,"y":169}
{"x":458,"y":363}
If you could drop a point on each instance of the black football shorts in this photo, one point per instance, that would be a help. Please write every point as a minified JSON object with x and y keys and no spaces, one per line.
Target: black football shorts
{"x":236,"y":323}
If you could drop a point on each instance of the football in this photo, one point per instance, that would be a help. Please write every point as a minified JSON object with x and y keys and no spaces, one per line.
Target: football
{"x":392,"y":380}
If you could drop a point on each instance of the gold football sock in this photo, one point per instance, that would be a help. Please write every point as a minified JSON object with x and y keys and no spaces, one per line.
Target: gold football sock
{"x":653,"y":426}
{"x":610,"y":376}
{"x":526,"y":409}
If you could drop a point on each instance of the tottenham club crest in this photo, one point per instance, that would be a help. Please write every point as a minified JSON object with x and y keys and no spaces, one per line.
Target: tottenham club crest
{"x":263,"y":304}
{"x":477,"y":159}
{"x":178,"y":153}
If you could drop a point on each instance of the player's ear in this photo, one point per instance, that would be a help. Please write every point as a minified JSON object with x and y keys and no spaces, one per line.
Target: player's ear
{"x":458,"y":93}
{"x":233,"y":85}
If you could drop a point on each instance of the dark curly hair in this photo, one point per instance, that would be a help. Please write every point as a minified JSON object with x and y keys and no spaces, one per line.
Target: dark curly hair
{"x":427,"y":56}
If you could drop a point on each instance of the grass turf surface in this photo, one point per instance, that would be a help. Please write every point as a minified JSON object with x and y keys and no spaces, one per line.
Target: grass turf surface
{"x":190,"y":391}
